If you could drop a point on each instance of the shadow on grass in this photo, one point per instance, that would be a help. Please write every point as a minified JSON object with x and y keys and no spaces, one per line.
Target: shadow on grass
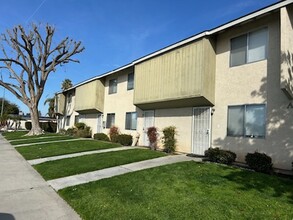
{"x":263,"y":183}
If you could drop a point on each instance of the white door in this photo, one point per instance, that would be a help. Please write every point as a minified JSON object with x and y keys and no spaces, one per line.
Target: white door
{"x":100,"y":123}
{"x":149,"y":121}
{"x":201,"y":130}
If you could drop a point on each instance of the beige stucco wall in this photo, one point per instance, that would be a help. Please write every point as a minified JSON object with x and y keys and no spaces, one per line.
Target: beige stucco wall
{"x":90,"y":120}
{"x":253,"y":83}
{"x":287,"y":51}
{"x":181,"y":118}
{"x":120,"y":102}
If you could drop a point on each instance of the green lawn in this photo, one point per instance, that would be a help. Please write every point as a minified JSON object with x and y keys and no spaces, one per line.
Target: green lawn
{"x":83,"y":164}
{"x":186,"y":190}
{"x":54,"y":149}
{"x":17,"y":135}
{"x":38,"y":140}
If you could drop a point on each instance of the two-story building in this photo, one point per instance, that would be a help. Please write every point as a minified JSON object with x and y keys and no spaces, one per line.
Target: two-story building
{"x":229,"y":87}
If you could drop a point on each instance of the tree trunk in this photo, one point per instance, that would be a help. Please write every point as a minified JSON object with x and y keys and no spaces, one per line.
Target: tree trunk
{"x":36,"y":129}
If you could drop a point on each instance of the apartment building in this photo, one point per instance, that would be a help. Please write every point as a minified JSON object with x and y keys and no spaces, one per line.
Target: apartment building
{"x":229,"y":87}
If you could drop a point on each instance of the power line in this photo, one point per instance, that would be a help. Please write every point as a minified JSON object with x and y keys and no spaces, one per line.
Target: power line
{"x":29,"y":18}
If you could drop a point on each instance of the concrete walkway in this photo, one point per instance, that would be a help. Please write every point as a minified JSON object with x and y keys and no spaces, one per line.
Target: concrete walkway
{"x":28,"y":139}
{"x":64,"y":182}
{"x":46,"y":159}
{"x":24,"y":193}
{"x":49,"y":142}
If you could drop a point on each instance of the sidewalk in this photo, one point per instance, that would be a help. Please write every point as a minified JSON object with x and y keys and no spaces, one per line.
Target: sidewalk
{"x":23,"y":192}
{"x":78,"y":179}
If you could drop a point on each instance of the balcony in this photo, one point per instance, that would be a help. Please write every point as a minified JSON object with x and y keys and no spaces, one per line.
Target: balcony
{"x":183,"y":77}
{"x":59,"y":104}
{"x":89,"y":98}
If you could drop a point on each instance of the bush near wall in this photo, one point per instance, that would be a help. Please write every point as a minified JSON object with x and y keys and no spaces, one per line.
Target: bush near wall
{"x":101,"y":137}
{"x":124,"y":139}
{"x":169,"y":139}
{"x":259,"y":162}
{"x":220,"y":156}
{"x":114,"y":133}
{"x":82,"y":130}
{"x":153,"y":137}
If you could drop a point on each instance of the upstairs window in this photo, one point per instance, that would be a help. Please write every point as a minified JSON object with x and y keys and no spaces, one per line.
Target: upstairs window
{"x":69,"y":98}
{"x":130,"y":81}
{"x":110,"y":120}
{"x":113,"y":86}
{"x":246,"y":120}
{"x":130,"y":121}
{"x":248,"y":48}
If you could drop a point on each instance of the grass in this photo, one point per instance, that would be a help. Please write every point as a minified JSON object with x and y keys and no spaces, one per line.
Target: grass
{"x":38,"y":140}
{"x":186,"y":190}
{"x":19,"y":135}
{"x":55,"y":149}
{"x":83,"y":164}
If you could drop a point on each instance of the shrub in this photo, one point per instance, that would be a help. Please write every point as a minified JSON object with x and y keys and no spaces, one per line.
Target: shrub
{"x":114,"y":132}
{"x":83,"y":133}
{"x":153,"y":137}
{"x":124,"y":139}
{"x":70,"y":131}
{"x":62,"y":131}
{"x":101,"y":137}
{"x":259,"y":162}
{"x":220,"y":156}
{"x":28,"y":125}
{"x":80,"y":125}
{"x":169,"y":139}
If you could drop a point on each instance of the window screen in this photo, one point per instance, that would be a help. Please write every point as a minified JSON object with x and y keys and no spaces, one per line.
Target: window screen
{"x":113,"y":86}
{"x":130,"y":81}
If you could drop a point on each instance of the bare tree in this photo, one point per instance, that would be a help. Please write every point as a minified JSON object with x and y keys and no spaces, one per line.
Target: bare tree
{"x":29,"y":57}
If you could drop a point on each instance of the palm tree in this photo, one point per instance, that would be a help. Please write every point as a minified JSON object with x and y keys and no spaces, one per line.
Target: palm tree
{"x":66,"y":84}
{"x":51,"y":102}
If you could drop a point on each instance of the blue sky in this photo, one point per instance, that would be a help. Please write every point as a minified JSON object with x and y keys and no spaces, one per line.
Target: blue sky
{"x":115,"y":32}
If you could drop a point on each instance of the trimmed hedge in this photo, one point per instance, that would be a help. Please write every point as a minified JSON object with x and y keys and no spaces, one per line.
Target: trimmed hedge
{"x":101,"y":137}
{"x":220,"y":156}
{"x":259,"y":162}
{"x":124,"y":139}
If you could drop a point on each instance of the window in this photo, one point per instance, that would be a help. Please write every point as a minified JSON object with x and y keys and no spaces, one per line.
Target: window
{"x":249,"y":47}
{"x":130,"y":121}
{"x":69,"y":98}
{"x":246,"y":120}
{"x":130,"y":81}
{"x":113,"y":86}
{"x":67,"y":120}
{"x":76,"y":119}
{"x":110,"y":120}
